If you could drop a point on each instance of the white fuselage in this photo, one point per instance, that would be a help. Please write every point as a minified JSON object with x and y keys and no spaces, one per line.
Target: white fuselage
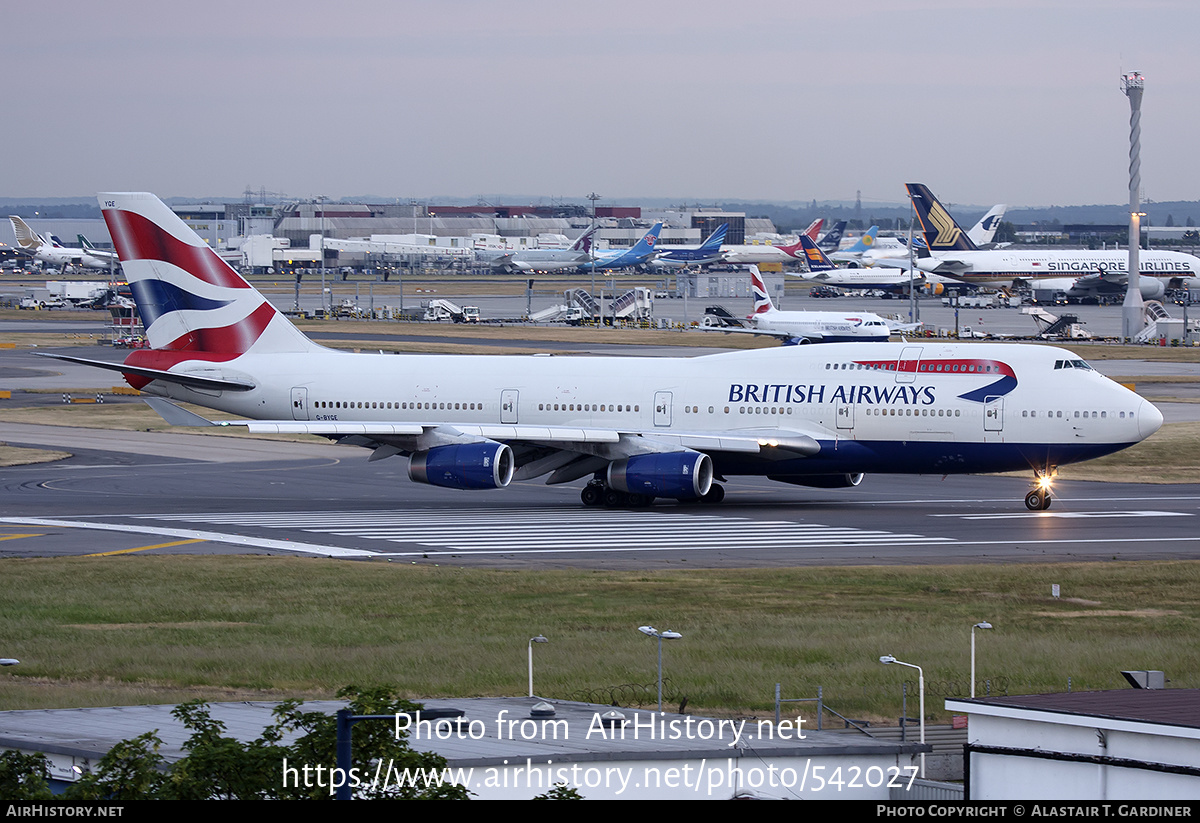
{"x":750,"y":254}
{"x":1004,"y":266}
{"x":824,"y":326}
{"x":949,"y":407}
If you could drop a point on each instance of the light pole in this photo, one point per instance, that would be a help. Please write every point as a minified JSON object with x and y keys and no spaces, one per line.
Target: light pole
{"x":532,"y":640}
{"x":888,"y":659}
{"x":650,"y":631}
{"x":983,"y":625}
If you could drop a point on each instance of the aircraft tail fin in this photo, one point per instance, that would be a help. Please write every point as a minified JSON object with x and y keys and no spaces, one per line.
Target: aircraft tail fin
{"x":866,"y":241}
{"x":834,"y":237}
{"x":714,"y":241}
{"x":584,"y":242}
{"x":816,"y":259}
{"x":645,"y":246}
{"x":194,"y":306}
{"x":942,"y":232}
{"x":762,"y":298}
{"x":984,"y":232}
{"x":27,"y":238}
{"x":814,"y":228}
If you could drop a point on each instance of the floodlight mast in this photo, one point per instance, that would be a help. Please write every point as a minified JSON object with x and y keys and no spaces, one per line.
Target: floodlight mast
{"x":1133,"y":310}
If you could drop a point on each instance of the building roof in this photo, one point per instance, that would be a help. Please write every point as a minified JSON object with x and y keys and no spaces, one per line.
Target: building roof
{"x":1167,"y":707}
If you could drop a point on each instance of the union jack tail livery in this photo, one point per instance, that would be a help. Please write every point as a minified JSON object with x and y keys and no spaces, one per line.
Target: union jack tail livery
{"x":762,"y":299}
{"x":194,"y":306}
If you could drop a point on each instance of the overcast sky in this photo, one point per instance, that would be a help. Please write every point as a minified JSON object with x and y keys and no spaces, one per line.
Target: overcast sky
{"x":985,"y":101}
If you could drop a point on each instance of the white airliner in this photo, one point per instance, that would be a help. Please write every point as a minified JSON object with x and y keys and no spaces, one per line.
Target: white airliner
{"x":640,"y":428}
{"x":48,"y":251}
{"x":754,"y":253}
{"x":531,"y":260}
{"x":794,"y":327}
{"x":952,"y":254}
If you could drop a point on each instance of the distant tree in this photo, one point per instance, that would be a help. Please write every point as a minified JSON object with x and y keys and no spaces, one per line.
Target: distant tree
{"x":561,"y":792}
{"x":132,"y":770}
{"x":24,"y":776}
{"x":217,"y":767}
{"x":1170,"y":220}
{"x":1006,"y":232}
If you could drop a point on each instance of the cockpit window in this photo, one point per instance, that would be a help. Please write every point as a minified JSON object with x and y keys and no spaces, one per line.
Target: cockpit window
{"x":1071,"y":364}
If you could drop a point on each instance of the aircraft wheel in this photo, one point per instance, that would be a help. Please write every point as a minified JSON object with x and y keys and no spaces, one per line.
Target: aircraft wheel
{"x":614,"y":499}
{"x":592,"y":495}
{"x":716,"y":493}
{"x":639,"y":501}
{"x":1037,"y":500}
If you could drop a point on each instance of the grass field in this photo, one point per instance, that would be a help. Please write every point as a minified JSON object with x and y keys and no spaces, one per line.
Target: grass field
{"x":146,"y":629}
{"x":103,"y":631}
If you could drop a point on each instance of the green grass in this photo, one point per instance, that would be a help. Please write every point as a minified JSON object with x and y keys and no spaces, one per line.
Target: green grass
{"x":94,"y":631}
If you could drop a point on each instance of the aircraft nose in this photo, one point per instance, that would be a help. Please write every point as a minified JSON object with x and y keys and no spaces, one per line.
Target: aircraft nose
{"x":1149,"y":419}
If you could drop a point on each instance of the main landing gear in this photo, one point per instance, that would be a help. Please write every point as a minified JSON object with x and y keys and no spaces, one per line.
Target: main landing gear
{"x":597,"y":493}
{"x":1039,"y":498}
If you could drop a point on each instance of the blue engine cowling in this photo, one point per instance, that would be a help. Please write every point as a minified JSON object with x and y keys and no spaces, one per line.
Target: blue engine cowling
{"x":469,"y":466}
{"x":820,"y":481}
{"x":682,"y":475}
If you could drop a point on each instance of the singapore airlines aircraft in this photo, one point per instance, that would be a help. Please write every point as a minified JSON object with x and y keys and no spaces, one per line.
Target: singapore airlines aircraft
{"x":33,"y":244}
{"x":951,"y":253}
{"x":640,"y":428}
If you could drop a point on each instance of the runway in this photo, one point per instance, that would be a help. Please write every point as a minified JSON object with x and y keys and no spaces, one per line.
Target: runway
{"x":157,"y":493}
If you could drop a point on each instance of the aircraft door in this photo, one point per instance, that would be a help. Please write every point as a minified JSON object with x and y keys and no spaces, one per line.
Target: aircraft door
{"x":993,"y":414}
{"x":845,"y":415}
{"x":662,"y":408}
{"x":908,"y":364}
{"x":508,"y":405}
{"x":299,"y":403}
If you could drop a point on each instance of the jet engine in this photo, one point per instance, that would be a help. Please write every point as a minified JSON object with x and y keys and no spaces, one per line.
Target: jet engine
{"x":682,"y":475}
{"x":1152,"y":288}
{"x":469,"y":466}
{"x":820,"y":481}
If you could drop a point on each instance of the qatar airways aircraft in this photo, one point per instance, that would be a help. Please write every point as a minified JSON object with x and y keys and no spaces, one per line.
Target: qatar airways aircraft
{"x":638,"y":428}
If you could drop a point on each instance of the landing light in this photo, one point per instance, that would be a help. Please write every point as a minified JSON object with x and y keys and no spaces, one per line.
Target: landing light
{"x":1044,"y":481}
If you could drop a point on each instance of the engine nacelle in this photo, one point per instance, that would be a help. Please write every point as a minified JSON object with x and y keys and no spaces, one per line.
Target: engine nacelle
{"x":469,"y":466}
{"x":682,"y":475}
{"x":1151,"y":288}
{"x":820,"y":481}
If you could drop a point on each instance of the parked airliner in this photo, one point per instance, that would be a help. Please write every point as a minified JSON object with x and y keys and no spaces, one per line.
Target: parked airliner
{"x":640,"y":428}
{"x":678,"y":257}
{"x":951,"y":253}
{"x":530,"y":260}
{"x":640,"y":252}
{"x":53,"y":252}
{"x":796,"y":327}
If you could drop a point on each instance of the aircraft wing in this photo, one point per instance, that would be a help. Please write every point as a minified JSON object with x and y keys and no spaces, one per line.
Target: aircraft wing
{"x":565,"y":452}
{"x":783,"y":336}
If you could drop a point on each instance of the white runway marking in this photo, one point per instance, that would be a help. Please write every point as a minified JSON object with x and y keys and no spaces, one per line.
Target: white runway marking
{"x":1062,"y":515}
{"x":502,"y":531}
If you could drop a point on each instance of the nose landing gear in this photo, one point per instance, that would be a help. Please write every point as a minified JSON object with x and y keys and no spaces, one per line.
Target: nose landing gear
{"x":1038,"y":499}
